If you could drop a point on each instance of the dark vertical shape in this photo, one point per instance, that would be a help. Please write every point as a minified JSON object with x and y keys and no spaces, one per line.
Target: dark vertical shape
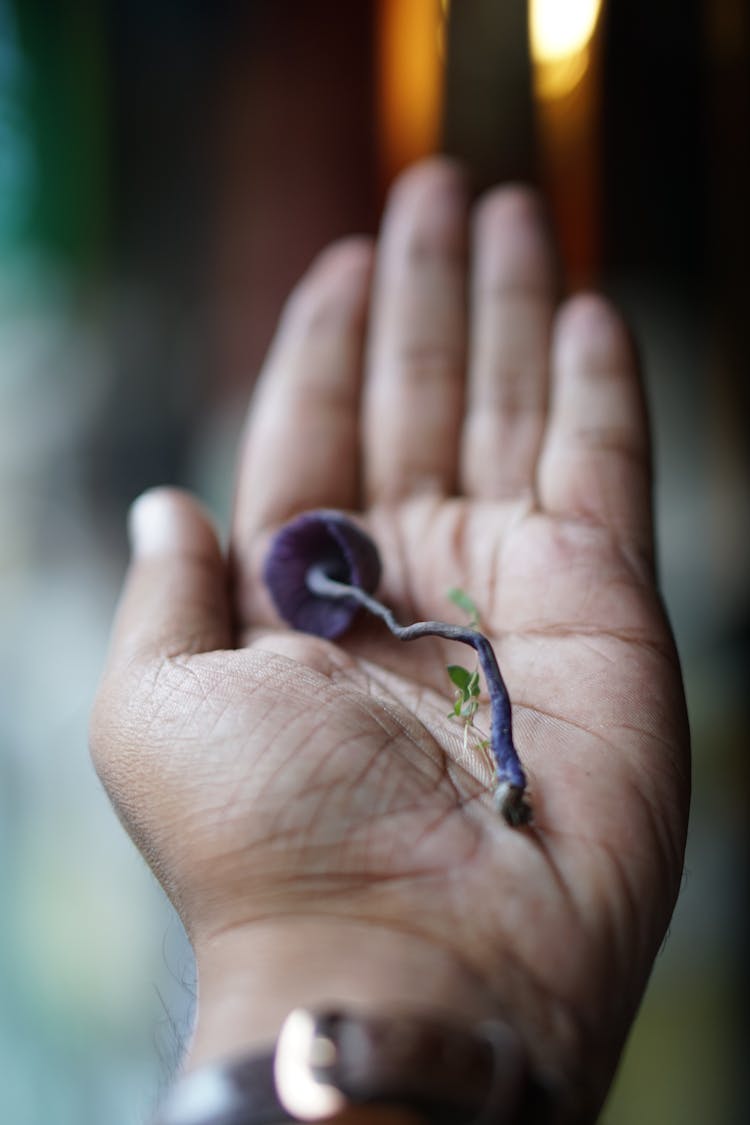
{"x":294,"y":158}
{"x":62,"y":86}
{"x":727,"y":37}
{"x":162,"y":64}
{"x":489,"y":119}
{"x":727,"y":34}
{"x":654,"y":138}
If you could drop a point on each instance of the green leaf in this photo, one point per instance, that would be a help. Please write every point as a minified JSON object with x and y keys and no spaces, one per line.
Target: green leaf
{"x":461,"y":677}
{"x":473,"y":685}
{"x":464,"y":602}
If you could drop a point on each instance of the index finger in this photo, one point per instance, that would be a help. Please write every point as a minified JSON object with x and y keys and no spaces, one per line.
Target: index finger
{"x":300,"y":448}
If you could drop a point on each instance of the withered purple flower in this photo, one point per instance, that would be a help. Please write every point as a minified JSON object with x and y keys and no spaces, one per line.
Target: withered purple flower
{"x":327,"y":540}
{"x":322,"y":569}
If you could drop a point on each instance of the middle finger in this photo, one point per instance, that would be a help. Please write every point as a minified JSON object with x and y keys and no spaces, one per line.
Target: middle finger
{"x":413,"y":396}
{"x":514,"y":283}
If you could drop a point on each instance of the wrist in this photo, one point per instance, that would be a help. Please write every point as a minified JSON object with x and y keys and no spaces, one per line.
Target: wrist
{"x":250,"y":978}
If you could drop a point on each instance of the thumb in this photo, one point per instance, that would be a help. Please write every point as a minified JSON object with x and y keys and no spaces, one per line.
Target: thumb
{"x":175,"y":600}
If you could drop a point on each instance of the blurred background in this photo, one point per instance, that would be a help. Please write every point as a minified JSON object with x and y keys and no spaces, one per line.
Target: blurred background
{"x":167,"y":170}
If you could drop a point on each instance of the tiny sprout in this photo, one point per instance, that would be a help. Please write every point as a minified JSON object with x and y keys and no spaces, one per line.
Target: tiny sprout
{"x":322,"y":569}
{"x":467,"y":682}
{"x":467,"y":685}
{"x":461,"y":599}
{"x":466,"y":705}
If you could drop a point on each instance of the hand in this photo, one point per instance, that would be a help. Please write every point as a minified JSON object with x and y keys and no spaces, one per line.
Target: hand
{"x":308,"y":806}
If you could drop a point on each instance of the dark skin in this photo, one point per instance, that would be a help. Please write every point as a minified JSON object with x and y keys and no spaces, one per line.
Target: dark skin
{"x":309,"y":807}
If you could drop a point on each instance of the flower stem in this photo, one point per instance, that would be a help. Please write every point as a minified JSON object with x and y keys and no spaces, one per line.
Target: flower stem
{"x":510,"y":789}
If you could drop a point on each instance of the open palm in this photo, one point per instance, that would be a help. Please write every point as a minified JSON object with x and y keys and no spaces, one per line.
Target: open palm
{"x":271,"y":777}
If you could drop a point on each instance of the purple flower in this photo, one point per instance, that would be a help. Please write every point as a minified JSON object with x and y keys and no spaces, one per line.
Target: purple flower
{"x":329,"y":542}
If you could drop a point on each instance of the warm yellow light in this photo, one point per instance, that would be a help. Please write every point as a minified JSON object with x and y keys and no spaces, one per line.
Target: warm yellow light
{"x":560,"y":32}
{"x":409,"y":80}
{"x":560,"y":28}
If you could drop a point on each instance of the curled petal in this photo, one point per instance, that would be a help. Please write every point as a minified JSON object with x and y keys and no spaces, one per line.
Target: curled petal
{"x":328,"y":540}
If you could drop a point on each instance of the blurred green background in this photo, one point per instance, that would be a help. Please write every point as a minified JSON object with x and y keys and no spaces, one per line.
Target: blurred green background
{"x":167,"y":169}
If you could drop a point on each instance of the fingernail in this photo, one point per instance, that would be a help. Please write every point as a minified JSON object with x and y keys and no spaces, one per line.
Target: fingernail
{"x":589,"y":323}
{"x":155,"y":524}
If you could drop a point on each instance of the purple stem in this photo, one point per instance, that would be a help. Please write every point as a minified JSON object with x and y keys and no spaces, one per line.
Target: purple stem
{"x":510,"y":791}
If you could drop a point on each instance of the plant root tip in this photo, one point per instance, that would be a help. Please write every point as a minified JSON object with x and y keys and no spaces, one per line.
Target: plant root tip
{"x":513,"y":805}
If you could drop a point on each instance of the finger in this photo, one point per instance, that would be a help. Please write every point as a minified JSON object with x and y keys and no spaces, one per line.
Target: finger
{"x":596,"y":460}
{"x":413,"y":395}
{"x":301,"y":443}
{"x":175,"y":597}
{"x":513,"y":287}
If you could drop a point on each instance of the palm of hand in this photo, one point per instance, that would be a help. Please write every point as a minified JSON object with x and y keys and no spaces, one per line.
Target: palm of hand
{"x":293,"y":777}
{"x":375,"y":799}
